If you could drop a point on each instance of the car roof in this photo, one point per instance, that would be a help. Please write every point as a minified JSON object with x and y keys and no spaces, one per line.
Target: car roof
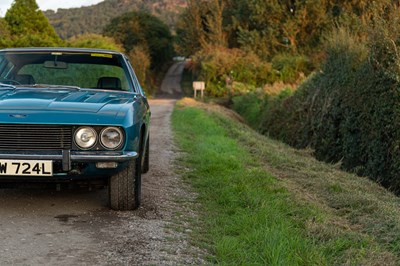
{"x":59,"y":49}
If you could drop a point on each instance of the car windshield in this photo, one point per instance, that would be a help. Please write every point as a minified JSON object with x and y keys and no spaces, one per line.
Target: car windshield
{"x":78,"y":69}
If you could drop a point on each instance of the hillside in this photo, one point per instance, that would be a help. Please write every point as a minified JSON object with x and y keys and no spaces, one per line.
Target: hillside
{"x":92,"y":19}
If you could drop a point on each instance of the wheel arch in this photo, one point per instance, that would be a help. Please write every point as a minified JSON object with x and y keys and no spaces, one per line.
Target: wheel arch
{"x":144,"y":136}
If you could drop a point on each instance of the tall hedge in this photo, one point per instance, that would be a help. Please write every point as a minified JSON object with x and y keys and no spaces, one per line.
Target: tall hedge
{"x":349,"y":111}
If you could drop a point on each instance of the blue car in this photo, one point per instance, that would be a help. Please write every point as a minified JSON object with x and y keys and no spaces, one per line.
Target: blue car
{"x":69,"y":114}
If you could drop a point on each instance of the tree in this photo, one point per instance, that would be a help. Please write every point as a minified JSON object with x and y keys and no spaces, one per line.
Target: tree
{"x":140,"y":60}
{"x":359,"y":15}
{"x":142,"y":29}
{"x":276,"y":26}
{"x":263,"y":27}
{"x":214,"y":23}
{"x":5,"y":35}
{"x":28,"y":26}
{"x":190,"y":29}
{"x":261,"y":31}
{"x":201,"y":25}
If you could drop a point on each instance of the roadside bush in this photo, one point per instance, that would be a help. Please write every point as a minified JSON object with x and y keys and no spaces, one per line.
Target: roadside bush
{"x":313,"y":112}
{"x":280,"y":112}
{"x":339,"y":76}
{"x":250,"y":106}
{"x":289,"y":68}
{"x":254,"y":106}
{"x":349,"y":111}
{"x":219,"y":66}
{"x":277,"y":87}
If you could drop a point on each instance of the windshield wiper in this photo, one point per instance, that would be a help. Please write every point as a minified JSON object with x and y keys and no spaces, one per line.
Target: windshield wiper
{"x":7,"y":85}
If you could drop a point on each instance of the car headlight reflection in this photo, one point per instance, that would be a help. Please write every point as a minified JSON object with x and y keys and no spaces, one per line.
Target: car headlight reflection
{"x":85,"y":137}
{"x":111,"y":138}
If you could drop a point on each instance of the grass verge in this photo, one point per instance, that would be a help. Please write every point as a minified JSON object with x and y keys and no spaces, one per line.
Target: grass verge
{"x":264,"y":203}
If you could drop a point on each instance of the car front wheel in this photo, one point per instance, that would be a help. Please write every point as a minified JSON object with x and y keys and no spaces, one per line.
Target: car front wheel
{"x":125,"y":187}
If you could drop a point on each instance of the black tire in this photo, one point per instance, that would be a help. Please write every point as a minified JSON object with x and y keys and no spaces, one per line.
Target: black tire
{"x":125,"y":187}
{"x":146,"y":159}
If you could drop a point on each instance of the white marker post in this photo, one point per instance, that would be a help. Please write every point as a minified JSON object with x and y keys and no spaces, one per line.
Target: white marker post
{"x":199,"y":86}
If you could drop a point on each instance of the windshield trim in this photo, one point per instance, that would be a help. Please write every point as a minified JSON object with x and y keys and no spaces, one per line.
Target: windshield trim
{"x":115,"y":66}
{"x":7,"y":85}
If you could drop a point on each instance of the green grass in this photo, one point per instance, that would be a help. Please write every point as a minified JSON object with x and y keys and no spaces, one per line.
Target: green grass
{"x":264,"y":203}
{"x":249,"y":218}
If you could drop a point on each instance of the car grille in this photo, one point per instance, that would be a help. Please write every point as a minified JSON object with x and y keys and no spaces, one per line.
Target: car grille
{"x":35,"y":137}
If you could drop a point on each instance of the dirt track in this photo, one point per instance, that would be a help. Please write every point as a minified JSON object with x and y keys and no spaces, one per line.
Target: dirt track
{"x":75,"y":227}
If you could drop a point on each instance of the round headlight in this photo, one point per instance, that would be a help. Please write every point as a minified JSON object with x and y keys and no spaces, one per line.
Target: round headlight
{"x":85,"y":137}
{"x":111,"y":138}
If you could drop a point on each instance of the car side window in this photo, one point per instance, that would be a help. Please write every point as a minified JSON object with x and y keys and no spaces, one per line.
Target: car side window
{"x":5,"y":68}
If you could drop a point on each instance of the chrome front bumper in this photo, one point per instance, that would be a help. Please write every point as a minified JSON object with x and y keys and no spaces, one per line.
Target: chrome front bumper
{"x":67,"y":156}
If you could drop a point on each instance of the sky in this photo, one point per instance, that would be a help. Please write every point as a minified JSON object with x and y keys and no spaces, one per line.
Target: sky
{"x":50,"y":4}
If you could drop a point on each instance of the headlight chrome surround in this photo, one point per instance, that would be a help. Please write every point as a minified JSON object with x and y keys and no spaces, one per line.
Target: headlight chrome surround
{"x":111,"y":138}
{"x":85,"y":137}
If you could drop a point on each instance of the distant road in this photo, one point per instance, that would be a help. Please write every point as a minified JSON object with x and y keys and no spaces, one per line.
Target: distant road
{"x":171,"y":85}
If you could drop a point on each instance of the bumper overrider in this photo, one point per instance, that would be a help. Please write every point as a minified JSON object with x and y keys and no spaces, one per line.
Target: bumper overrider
{"x":67,"y":157}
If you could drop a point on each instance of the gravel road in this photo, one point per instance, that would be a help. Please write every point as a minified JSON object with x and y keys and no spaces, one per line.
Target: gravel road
{"x":43,"y":226}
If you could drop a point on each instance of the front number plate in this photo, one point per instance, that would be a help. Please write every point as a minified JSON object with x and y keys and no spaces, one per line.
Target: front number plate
{"x":26,"y":168}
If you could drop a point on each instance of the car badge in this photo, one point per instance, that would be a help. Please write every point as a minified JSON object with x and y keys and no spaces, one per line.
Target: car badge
{"x":18,"y":115}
